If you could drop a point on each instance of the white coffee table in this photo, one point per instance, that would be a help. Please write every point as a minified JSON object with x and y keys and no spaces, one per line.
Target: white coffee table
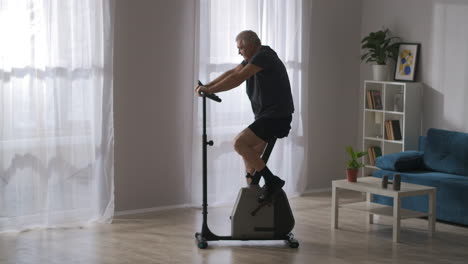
{"x":372,"y":185}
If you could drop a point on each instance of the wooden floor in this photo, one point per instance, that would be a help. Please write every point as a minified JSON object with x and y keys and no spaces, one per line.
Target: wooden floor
{"x":168,"y":237}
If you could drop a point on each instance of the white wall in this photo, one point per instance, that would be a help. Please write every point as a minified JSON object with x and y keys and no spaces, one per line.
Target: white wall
{"x":334,"y":88}
{"x":153,"y":58}
{"x":441,"y":26}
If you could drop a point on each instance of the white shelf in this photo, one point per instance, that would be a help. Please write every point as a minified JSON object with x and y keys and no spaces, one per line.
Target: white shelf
{"x":373,"y":138}
{"x":383,"y":210}
{"x":383,"y":111}
{"x":374,"y":110}
{"x":374,"y":132}
{"x":394,"y":113}
{"x":393,"y":141}
{"x":382,"y":82}
{"x":384,"y":140}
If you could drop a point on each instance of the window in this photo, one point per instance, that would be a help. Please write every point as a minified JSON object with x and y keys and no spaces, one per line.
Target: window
{"x":278,"y":23}
{"x":55,"y":132}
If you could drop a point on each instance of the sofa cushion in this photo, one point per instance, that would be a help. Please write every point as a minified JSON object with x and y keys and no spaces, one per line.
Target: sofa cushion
{"x":401,"y":161}
{"x":446,"y":151}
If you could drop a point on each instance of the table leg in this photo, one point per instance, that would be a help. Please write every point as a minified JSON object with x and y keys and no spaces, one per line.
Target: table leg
{"x":369,"y":201}
{"x":335,"y":205}
{"x":432,"y":212}
{"x":396,"y":218}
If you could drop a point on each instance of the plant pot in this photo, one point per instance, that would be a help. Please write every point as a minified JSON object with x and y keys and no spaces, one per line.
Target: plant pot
{"x":380,"y":72}
{"x":351,"y":174}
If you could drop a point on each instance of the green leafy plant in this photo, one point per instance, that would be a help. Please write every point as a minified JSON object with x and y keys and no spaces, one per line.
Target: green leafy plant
{"x":353,"y":163}
{"x":379,"y":47}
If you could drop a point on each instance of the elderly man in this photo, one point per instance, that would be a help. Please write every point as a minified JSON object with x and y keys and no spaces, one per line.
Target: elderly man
{"x":270,"y":95}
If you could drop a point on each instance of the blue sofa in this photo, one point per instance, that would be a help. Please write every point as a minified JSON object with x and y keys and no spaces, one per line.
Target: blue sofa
{"x":441,"y":162}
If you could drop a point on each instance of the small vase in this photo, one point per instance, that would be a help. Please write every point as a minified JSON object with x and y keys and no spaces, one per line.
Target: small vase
{"x":351,"y":174}
{"x":398,"y":102}
{"x":380,"y":72}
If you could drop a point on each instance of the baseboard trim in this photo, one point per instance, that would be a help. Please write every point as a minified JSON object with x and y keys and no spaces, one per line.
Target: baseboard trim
{"x":220,"y":204}
{"x":151,"y":210}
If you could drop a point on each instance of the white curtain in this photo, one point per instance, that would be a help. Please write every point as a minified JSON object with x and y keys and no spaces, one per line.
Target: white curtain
{"x":56,"y":125}
{"x":279,"y":24}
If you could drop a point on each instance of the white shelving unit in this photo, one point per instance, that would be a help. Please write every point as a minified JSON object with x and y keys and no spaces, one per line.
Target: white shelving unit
{"x":408,"y":112}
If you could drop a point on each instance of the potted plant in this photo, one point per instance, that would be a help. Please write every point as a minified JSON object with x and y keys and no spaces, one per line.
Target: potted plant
{"x":353,"y":164}
{"x":379,"y":47}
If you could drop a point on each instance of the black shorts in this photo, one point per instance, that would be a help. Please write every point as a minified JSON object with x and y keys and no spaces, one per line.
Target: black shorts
{"x":267,"y":128}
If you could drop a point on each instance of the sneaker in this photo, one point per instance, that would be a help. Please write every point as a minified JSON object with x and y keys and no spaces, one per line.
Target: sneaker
{"x":271,"y":189}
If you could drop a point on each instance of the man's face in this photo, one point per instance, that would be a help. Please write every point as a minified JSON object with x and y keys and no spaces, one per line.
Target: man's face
{"x":246,"y":51}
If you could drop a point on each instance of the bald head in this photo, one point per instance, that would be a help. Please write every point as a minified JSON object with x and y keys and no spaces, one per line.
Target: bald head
{"x":248,"y":37}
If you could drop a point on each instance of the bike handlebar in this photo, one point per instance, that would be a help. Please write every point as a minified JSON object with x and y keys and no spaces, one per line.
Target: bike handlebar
{"x":213,"y":97}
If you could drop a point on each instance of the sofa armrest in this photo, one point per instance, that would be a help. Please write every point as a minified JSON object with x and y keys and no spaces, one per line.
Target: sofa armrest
{"x":401,"y":161}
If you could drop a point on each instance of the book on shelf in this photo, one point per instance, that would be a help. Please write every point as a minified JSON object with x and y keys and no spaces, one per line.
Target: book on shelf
{"x":393,"y":130}
{"x":369,"y":102}
{"x":378,"y":152}
{"x":373,"y":152}
{"x":377,"y":99}
{"x":396,"y":130}
{"x":373,"y":100}
{"x":371,"y":157}
{"x":388,"y":130}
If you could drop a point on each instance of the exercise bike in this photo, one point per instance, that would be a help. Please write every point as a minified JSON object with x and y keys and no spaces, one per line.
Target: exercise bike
{"x":250,"y":219}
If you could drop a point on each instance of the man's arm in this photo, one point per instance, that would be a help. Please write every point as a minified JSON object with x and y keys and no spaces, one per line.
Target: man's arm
{"x":224,"y":75}
{"x":234,"y":79}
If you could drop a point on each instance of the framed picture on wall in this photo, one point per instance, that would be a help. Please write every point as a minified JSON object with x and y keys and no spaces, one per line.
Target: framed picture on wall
{"x":407,"y":62}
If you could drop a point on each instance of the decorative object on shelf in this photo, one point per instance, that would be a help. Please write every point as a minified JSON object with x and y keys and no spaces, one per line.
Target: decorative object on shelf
{"x":353,"y":164}
{"x":378,"y":119}
{"x":380,"y":72}
{"x":406,"y":62}
{"x":398,"y":102}
{"x":379,"y":47}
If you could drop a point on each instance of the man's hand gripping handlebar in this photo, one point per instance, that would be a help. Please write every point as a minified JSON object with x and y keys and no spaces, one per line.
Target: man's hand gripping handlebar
{"x":213,"y":97}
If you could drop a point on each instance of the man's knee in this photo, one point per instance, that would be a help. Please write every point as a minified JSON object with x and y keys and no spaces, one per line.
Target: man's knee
{"x":247,"y":140}
{"x":238,"y":144}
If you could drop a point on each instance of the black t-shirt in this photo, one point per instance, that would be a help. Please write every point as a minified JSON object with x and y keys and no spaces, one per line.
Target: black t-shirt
{"x":269,"y":90}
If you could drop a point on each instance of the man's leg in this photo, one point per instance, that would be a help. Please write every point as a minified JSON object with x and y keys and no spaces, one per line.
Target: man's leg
{"x":245,"y":144}
{"x":250,"y":171}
